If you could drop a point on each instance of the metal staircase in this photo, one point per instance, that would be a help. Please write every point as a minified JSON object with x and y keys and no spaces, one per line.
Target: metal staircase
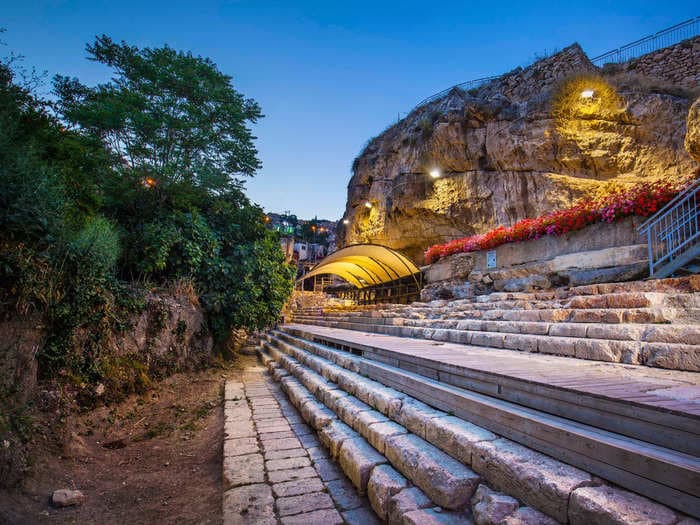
{"x":673,"y":236}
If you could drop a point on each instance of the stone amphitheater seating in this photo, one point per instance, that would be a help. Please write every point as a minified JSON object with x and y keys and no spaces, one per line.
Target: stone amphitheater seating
{"x":480,"y":412}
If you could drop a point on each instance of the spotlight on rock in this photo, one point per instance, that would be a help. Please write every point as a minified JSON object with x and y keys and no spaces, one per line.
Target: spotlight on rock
{"x":587,"y":93}
{"x":435,"y":173}
{"x":368,"y":204}
{"x":345,"y":221}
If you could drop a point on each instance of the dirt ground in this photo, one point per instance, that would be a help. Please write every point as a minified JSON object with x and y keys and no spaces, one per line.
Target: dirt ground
{"x":154,"y":458}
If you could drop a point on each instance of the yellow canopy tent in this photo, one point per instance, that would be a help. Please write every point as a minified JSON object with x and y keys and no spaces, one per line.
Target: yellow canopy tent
{"x":364,"y":265}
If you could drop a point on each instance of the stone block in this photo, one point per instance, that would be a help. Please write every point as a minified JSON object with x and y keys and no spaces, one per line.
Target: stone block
{"x":316,"y":415}
{"x":386,"y":400}
{"x":415,"y":416}
{"x":297,"y":487}
{"x":290,"y":505}
{"x":278,"y":476}
{"x":280,"y":444}
{"x":534,"y":478}
{"x":347,"y":409}
{"x":243,"y":470}
{"x":603,"y":505}
{"x":285,"y":453}
{"x":327,"y":469}
{"x":378,"y":434}
{"x":332,"y":436}
{"x":233,"y":391}
{"x":316,"y":517}
{"x":528,"y":516}
{"x":490,"y":507}
{"x":364,"y":419}
{"x":249,"y":504}
{"x":357,"y":458}
{"x":456,"y":437}
{"x":405,"y":501}
{"x":445,"y":480}
{"x":522,"y":343}
{"x":241,"y":446}
{"x":435,"y":516}
{"x":287,"y":463}
{"x":384,"y":483}
{"x":671,"y":356}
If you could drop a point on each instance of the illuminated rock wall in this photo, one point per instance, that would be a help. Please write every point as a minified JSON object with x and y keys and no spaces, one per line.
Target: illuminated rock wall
{"x":520,"y":146}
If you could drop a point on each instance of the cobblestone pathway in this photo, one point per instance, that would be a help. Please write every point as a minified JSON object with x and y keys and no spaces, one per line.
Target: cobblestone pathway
{"x":275,"y":470}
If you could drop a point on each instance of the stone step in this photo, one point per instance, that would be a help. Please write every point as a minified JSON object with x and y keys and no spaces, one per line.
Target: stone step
{"x":439,"y":479}
{"x":654,"y":333}
{"x":542,"y":482}
{"x":675,"y":355}
{"x":551,"y":315}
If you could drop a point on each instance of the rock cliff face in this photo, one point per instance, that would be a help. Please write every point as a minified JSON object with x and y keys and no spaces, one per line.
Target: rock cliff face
{"x":526,"y":143}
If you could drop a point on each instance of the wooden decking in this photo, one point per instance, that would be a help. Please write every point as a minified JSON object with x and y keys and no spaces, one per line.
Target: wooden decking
{"x":655,"y":405}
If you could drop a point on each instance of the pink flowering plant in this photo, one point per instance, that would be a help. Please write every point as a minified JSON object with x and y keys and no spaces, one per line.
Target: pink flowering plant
{"x":642,"y":200}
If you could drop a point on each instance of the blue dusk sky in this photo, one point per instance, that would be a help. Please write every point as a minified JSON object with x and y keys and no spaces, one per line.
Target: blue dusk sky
{"x":329,"y":75}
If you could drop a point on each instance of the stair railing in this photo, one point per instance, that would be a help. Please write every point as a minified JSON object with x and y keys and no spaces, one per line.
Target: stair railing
{"x":673,"y":231}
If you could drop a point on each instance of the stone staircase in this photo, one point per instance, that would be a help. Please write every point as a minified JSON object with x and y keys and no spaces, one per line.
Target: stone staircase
{"x":429,"y":450}
{"x":653,"y":323}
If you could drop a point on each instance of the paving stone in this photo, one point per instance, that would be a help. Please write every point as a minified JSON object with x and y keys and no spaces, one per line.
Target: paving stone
{"x":280,"y":444}
{"x":605,"y":504}
{"x":278,"y":476}
{"x":529,"y":516}
{"x":240,"y":446}
{"x":435,"y":516}
{"x":286,"y":453}
{"x":490,"y":507}
{"x":276,"y":435}
{"x":445,"y":480}
{"x":288,"y":463}
{"x":379,"y":433}
{"x":249,"y":504}
{"x":301,"y":429}
{"x":344,"y":494}
{"x":361,"y":516}
{"x":243,"y":470}
{"x":233,"y":391}
{"x":273,"y":425}
{"x":536,"y":479}
{"x":317,"y":517}
{"x":328,"y":469}
{"x":456,"y":437}
{"x":405,"y":501}
{"x":384,"y":483}
{"x":290,"y":505}
{"x":297,"y":487}
{"x":318,"y":453}
{"x":357,"y":458}
{"x":238,"y":429}
{"x":309,"y":440}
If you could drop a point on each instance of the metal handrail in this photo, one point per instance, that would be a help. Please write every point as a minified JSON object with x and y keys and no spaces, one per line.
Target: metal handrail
{"x":673,"y":233}
{"x":642,"y":228}
{"x":648,"y":44}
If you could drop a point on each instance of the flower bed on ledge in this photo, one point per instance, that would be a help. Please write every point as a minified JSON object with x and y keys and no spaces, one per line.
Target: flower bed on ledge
{"x":643,"y":200}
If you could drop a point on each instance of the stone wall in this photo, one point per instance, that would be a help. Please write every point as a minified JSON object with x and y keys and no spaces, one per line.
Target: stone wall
{"x":678,"y":64}
{"x":598,"y":253}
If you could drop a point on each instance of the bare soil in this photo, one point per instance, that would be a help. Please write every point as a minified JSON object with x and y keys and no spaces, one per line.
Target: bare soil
{"x":153,"y":458}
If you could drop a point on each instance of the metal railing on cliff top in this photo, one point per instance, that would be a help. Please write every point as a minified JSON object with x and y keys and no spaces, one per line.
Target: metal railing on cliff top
{"x":668,"y":37}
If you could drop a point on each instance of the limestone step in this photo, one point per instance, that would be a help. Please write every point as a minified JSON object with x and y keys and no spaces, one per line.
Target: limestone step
{"x":638,"y":345}
{"x":439,"y":479}
{"x":544,"y":483}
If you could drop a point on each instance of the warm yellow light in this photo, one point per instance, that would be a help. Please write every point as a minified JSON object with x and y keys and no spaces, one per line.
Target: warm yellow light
{"x":587,"y":93}
{"x":368,"y":204}
{"x":149,"y":182}
{"x":435,"y":173}
{"x":345,"y":221}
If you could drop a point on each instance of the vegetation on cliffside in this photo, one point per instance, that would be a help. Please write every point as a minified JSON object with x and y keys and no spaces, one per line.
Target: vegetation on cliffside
{"x":117,"y":189}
